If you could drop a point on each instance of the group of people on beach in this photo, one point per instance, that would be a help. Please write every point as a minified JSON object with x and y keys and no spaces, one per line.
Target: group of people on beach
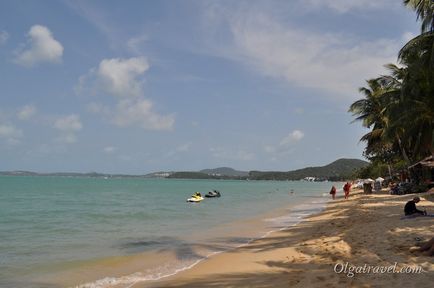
{"x":346,"y":188}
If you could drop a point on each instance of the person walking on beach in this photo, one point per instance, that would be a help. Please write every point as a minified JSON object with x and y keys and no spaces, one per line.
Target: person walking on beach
{"x":347,"y":188}
{"x":333,"y":192}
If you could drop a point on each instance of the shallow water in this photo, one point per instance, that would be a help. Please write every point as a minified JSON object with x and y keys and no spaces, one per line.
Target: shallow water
{"x":60,"y":231}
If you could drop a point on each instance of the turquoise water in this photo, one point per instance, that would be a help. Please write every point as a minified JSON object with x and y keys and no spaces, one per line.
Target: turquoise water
{"x":51,"y":224}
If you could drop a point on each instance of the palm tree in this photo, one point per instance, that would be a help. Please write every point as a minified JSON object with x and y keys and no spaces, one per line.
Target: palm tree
{"x":373,"y":112}
{"x":425,"y":12}
{"x":418,"y":84}
{"x":418,"y":90}
{"x":399,"y":107}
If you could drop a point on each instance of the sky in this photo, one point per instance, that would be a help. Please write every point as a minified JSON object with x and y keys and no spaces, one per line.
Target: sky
{"x":142,"y":86}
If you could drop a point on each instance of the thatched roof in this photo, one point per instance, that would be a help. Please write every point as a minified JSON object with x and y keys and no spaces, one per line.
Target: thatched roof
{"x":427,"y":162}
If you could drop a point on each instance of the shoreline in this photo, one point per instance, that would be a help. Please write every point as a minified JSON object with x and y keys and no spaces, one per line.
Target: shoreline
{"x":288,"y":213}
{"x":305,"y":253}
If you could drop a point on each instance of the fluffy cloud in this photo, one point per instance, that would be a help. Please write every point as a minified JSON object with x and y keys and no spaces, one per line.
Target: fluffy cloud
{"x":68,"y":127}
{"x":26,"y":112}
{"x":4,"y":36}
{"x":286,"y":145}
{"x":41,"y":47}
{"x":292,"y":137}
{"x":10,"y":133}
{"x":119,"y":77}
{"x":123,"y":80}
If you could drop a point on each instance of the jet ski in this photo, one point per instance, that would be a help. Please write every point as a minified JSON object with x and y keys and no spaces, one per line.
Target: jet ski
{"x":195,"y":198}
{"x":213,"y":194}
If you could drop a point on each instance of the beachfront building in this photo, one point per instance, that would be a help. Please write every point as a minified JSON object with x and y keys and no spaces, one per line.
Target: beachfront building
{"x":423,"y":171}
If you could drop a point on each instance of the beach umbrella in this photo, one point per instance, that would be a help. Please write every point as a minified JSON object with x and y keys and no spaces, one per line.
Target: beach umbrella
{"x":369,"y":180}
{"x":379,"y":179}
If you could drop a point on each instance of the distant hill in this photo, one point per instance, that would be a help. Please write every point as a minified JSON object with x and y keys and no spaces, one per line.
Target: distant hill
{"x":18,"y":173}
{"x":68,"y":174}
{"x":160,"y":174}
{"x":341,"y":169}
{"x":190,"y":175}
{"x":338,"y":170}
{"x":225,"y":171}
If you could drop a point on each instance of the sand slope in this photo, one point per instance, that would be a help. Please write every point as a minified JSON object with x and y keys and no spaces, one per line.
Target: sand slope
{"x":366,"y":229}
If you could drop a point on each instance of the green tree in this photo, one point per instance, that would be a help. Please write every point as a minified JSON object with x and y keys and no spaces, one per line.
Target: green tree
{"x":425,"y":13}
{"x":398,"y":108}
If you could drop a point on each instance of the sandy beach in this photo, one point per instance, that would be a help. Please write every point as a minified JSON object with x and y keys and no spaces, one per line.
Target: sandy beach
{"x":364,"y":231}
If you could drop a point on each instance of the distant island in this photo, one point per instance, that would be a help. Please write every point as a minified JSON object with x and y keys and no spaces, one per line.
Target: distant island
{"x":338,"y":170}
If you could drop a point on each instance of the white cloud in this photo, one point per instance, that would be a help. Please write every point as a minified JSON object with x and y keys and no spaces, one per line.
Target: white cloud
{"x":10,"y":133}
{"x":123,"y":80}
{"x":42,"y":47}
{"x":26,"y":112}
{"x":70,"y":123}
{"x":119,"y":77}
{"x":328,"y":62}
{"x":68,"y":127}
{"x":4,"y":36}
{"x":286,"y":145}
{"x":109,"y":149}
{"x":140,"y":112}
{"x":292,"y":137}
{"x":333,"y":63}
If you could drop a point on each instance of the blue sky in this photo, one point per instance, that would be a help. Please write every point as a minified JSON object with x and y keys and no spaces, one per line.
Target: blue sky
{"x":141,"y":86}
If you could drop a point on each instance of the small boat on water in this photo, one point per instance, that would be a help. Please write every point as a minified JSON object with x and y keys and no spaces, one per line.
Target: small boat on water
{"x":195,"y":198}
{"x":213,"y":194}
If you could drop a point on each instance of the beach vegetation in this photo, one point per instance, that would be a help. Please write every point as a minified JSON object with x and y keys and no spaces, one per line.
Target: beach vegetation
{"x":398,"y":108}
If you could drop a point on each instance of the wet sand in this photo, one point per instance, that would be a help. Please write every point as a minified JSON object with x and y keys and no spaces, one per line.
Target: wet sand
{"x":366,"y":229}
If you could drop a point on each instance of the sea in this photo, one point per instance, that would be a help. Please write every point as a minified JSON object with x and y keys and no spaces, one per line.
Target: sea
{"x":119,"y":232}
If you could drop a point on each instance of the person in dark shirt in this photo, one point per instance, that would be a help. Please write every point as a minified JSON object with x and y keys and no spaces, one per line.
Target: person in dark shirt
{"x":410,"y":207}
